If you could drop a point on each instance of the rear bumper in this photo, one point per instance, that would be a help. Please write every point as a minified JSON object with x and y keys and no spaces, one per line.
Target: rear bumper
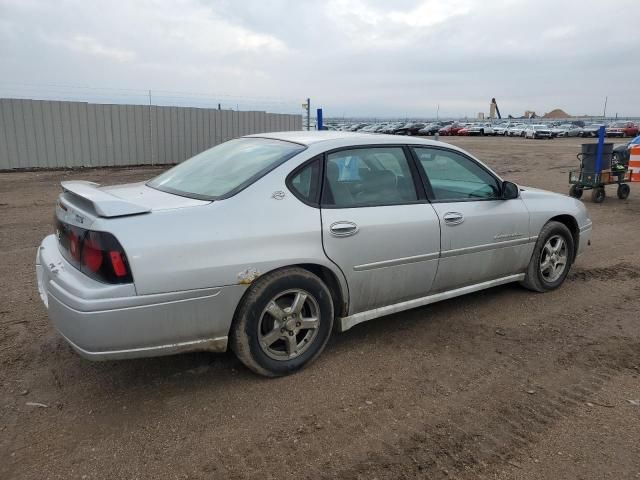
{"x":104,"y":322}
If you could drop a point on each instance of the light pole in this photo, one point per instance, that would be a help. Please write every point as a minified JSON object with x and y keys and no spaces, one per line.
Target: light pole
{"x":307,"y":107}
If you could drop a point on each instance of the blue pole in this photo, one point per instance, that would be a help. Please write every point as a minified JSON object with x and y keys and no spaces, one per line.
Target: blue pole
{"x":599,"y":151}
{"x":319,"y":115}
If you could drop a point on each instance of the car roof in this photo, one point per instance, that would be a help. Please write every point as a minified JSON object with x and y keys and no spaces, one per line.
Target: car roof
{"x":329,"y":137}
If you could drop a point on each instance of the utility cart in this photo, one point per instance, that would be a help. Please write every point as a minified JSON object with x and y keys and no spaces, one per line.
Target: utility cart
{"x":597,"y":170}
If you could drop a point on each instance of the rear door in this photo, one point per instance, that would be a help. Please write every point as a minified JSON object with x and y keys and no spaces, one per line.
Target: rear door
{"x":483,"y":237}
{"x":378,"y":227}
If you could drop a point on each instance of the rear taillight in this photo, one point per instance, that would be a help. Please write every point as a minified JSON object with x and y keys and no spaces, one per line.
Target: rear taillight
{"x":98,"y":255}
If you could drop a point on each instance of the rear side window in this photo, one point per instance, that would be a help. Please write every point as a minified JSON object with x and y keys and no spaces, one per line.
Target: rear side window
{"x":225,"y":169}
{"x":368,"y":177}
{"x":454,"y":177}
{"x":305,"y":182}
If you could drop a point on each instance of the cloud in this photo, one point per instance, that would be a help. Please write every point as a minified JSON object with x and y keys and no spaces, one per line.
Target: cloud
{"x":357,"y":57}
{"x":90,"y":46}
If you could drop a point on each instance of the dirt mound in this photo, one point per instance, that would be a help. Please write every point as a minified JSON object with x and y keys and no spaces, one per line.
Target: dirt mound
{"x":557,"y":113}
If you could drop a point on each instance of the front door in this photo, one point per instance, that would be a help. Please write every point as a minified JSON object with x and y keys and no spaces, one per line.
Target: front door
{"x":375,"y":227}
{"x":483,"y":236}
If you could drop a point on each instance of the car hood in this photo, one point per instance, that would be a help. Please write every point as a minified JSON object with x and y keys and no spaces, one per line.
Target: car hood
{"x":141,"y":194}
{"x":531,"y":192}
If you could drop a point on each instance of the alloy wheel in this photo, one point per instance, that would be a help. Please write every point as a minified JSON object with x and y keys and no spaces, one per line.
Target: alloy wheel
{"x":289,"y":324}
{"x":554,"y":258}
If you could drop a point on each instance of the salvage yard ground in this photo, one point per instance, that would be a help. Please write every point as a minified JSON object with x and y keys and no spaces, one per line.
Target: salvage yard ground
{"x":500,"y":384}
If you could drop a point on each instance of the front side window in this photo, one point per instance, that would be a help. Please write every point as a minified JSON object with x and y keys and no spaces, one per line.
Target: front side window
{"x":454,"y":177}
{"x":226,"y":168}
{"x":368,"y":177}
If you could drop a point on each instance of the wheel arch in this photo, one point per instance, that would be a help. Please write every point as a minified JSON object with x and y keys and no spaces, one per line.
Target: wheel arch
{"x":571,"y":223}
{"x":338,"y":290}
{"x":330,"y":279}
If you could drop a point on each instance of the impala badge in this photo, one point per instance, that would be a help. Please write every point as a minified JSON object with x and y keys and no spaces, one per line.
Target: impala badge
{"x":277,"y":195}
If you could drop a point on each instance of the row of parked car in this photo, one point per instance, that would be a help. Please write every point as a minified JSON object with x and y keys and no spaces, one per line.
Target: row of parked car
{"x":509,"y":129}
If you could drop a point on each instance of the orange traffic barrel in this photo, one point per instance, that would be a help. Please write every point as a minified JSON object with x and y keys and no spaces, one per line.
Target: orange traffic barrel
{"x":634,"y":163}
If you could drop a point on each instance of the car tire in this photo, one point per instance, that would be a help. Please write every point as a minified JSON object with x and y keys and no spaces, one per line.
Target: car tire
{"x":623,"y":191}
{"x":275,"y":308}
{"x":575,"y":191}
{"x":549,"y":267}
{"x":598,"y":195}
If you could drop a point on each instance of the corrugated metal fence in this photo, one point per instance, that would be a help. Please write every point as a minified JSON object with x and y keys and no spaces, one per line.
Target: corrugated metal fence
{"x":52,"y":134}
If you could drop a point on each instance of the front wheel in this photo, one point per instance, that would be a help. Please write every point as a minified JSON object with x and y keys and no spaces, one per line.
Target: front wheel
{"x":283,"y":322}
{"x":552,"y":258}
{"x":623,"y":191}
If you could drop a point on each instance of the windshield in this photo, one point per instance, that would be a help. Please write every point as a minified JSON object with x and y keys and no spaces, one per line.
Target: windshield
{"x":226,"y":168}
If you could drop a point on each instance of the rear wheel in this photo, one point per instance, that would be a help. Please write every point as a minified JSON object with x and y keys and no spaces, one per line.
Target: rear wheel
{"x":283,"y":323}
{"x":598,"y":195}
{"x":552,"y":258}
{"x":575,"y":191}
{"x":623,"y":191}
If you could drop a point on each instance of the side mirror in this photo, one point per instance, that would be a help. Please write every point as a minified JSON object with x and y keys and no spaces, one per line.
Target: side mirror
{"x":510,"y":190}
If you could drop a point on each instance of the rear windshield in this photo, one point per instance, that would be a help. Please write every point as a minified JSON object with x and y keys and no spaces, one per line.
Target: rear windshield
{"x":226,"y":168}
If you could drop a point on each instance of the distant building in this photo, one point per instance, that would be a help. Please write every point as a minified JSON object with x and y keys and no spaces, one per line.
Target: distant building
{"x":529,"y":114}
{"x":481,"y":116}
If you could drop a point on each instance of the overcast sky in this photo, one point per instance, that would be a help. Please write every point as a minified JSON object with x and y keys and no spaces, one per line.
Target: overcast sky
{"x":353,"y":57}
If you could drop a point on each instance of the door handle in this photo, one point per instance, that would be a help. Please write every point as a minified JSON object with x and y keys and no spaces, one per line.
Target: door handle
{"x":453,"y":218}
{"x":343,"y":229}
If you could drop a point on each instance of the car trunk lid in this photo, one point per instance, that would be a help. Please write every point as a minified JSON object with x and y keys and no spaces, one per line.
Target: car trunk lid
{"x":82,"y":202}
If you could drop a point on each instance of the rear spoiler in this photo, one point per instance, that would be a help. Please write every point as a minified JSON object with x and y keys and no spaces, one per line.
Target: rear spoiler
{"x":104,"y":204}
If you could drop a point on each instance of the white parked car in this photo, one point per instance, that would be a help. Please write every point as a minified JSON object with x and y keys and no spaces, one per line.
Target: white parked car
{"x":517,"y":130}
{"x":264,"y":243}
{"x":481,"y":129}
{"x":538,"y":131}
{"x":501,"y":129}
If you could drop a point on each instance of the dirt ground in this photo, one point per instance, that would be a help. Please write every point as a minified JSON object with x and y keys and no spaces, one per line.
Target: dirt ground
{"x":502,"y":384}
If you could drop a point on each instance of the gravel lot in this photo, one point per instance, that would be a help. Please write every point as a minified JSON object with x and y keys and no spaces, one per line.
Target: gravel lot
{"x":500,"y":384}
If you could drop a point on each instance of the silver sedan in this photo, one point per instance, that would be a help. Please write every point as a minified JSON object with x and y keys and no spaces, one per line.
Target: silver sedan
{"x":266,"y":243}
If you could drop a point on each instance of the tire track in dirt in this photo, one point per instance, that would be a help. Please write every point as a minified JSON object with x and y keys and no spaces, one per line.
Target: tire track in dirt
{"x":394,"y":442}
{"x":619,"y":271}
{"x":469,"y":448}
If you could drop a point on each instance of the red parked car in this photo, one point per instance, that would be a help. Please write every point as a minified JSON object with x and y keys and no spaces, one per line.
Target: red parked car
{"x":622,"y":129}
{"x":452,"y":129}
{"x":464,"y":131}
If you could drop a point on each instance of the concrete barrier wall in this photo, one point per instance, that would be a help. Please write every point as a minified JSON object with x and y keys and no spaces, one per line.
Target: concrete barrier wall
{"x":52,"y":134}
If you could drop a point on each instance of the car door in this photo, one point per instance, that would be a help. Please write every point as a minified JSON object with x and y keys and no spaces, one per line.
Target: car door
{"x":377,"y":226}
{"x":482,"y":236}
